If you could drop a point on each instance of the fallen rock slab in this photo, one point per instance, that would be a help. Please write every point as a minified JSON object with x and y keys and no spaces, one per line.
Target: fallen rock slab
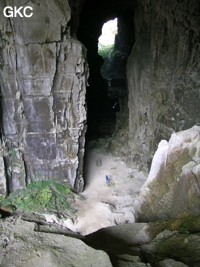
{"x":22,"y":246}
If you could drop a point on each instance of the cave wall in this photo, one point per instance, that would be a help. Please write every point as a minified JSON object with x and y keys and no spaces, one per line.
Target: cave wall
{"x":163,"y":74}
{"x":43,"y":75}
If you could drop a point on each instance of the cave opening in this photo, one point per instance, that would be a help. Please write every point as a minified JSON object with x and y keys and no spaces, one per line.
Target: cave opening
{"x":107,"y":50}
{"x":109,"y":189}
{"x":102,"y":102}
{"x":107,"y":92}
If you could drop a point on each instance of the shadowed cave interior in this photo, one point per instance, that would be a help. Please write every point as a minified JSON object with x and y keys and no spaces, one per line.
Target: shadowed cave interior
{"x":102,"y":106}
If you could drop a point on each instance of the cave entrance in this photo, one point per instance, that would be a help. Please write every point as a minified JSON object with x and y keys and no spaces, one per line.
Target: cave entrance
{"x":108,"y":52}
{"x":102,"y":106}
{"x":106,"y":45}
{"x":107,"y":178}
{"x":107,"y":94}
{"x":107,"y":57}
{"x":102,"y":103}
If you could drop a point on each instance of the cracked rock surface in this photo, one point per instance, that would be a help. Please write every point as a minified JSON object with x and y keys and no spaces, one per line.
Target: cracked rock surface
{"x":163,"y":243}
{"x":43,"y":77}
{"x":22,"y":246}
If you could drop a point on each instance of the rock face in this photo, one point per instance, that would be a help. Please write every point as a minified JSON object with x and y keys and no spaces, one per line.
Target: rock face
{"x":162,"y":72}
{"x":172,"y":242}
{"x":172,"y":187}
{"x":29,"y":248}
{"x":43,"y":76}
{"x":163,"y":243}
{"x":2,"y":174}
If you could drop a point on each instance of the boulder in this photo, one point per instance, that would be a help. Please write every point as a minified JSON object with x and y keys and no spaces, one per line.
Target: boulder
{"x":166,"y":243}
{"x":46,"y":242}
{"x":173,"y":185}
{"x":22,"y":246}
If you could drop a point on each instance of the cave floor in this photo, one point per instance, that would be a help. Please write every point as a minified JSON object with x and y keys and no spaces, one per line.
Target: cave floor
{"x":106,"y":203}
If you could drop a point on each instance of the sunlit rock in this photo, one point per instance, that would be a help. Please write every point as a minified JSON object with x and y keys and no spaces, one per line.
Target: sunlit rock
{"x":172,"y":187}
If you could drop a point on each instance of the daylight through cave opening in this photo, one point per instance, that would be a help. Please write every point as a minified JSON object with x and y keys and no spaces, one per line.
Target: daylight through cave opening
{"x":107,"y":81}
{"x":107,"y":50}
{"x":107,"y":92}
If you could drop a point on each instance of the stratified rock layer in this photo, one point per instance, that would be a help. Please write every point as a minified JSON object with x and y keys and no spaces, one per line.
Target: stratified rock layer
{"x":43,"y":79}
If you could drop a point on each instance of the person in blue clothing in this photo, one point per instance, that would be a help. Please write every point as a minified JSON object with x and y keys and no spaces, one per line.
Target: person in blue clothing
{"x":107,"y":179}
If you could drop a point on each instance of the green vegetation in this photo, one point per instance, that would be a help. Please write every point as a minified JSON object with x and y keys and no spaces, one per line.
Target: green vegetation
{"x":110,"y":184}
{"x":110,"y":56}
{"x":2,"y":197}
{"x":42,"y":196}
{"x":105,"y":50}
{"x":13,"y":153}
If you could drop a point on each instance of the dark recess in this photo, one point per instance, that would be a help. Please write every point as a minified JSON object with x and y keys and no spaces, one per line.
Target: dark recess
{"x":101,"y":115}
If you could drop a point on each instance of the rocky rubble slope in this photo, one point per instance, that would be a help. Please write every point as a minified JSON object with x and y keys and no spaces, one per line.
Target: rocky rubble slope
{"x":28,"y":239}
{"x":36,"y":240}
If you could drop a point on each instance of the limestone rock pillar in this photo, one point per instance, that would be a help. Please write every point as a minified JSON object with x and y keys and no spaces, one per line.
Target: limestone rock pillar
{"x":43,"y":75}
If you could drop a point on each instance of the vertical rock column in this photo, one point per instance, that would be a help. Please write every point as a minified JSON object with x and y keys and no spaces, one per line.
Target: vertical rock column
{"x":43,"y":76}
